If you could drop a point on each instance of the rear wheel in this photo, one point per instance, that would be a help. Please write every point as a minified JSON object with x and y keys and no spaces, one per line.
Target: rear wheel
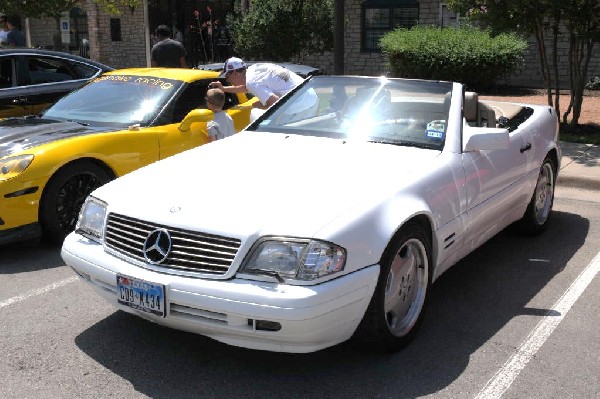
{"x":538,"y":211}
{"x":64,"y":195}
{"x":396,"y":309}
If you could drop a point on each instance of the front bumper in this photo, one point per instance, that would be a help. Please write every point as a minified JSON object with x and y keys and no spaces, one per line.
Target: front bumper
{"x":21,"y":233}
{"x":231,"y":311}
{"x":19,"y":203}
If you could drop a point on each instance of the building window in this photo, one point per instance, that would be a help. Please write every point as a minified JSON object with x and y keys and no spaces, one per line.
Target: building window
{"x":115,"y":29}
{"x":79,"y":28}
{"x":382,"y":16}
{"x":447,"y":17}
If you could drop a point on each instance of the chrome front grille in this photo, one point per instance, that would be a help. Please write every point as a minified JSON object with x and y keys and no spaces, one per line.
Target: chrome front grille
{"x":191,"y":250}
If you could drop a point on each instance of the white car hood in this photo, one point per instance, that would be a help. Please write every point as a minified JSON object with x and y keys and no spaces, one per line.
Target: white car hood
{"x":256,"y":184}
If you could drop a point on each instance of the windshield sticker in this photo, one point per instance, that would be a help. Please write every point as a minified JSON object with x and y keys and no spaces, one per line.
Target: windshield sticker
{"x":436,"y":129}
{"x":434,"y":134}
{"x":135,"y":79}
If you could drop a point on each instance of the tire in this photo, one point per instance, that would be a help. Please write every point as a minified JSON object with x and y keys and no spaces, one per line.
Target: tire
{"x":397,"y":306}
{"x":536,"y":217}
{"x":64,"y":195}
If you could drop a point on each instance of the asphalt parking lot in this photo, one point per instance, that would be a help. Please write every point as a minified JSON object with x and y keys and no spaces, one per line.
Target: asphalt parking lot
{"x":515,"y":319}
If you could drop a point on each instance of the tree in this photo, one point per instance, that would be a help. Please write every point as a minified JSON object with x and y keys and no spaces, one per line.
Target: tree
{"x":280,"y":30}
{"x":578,"y":19}
{"x":522,"y":16}
{"x":39,"y":9}
{"x":582,"y":19}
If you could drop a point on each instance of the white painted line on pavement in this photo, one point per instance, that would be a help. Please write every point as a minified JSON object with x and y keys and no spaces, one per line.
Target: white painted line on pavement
{"x":503,"y":379}
{"x":38,"y":291}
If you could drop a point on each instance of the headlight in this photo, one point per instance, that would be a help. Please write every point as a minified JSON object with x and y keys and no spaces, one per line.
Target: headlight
{"x":295,"y":259}
{"x":91,"y":219}
{"x":12,"y":166}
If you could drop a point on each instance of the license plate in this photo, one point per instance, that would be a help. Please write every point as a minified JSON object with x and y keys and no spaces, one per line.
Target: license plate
{"x":141,"y":295}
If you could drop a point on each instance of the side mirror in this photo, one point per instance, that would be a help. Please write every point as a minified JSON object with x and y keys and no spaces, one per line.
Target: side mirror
{"x":196,"y":115}
{"x":485,"y":138}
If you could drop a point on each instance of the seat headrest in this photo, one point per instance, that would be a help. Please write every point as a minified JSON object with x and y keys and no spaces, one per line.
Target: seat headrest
{"x":470,"y":106}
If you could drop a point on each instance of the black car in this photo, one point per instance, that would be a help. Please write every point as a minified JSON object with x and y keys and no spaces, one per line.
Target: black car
{"x":32,"y":79}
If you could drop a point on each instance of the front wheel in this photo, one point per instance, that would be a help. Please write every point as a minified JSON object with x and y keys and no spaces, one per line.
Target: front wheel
{"x":64,"y":195}
{"x":538,"y":211}
{"x":396,"y":309}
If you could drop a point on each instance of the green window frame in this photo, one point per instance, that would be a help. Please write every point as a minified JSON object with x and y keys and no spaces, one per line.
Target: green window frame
{"x":382,"y":16}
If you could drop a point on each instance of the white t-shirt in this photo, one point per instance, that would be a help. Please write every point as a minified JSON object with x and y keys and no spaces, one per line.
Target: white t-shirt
{"x":3,"y":36}
{"x":264,"y":80}
{"x":221,"y":126}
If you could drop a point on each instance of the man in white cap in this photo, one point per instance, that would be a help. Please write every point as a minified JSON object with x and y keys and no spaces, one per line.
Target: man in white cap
{"x":269,"y":82}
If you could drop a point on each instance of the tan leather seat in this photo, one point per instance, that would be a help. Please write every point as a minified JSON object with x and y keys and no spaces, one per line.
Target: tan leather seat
{"x":478,"y":113}
{"x":470,"y":106}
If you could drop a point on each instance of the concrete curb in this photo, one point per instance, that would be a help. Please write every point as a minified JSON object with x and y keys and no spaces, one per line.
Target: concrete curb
{"x":578,"y":182}
{"x":580,"y":166}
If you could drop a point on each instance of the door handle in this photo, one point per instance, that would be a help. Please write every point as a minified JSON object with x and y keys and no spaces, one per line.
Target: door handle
{"x":526,"y":147}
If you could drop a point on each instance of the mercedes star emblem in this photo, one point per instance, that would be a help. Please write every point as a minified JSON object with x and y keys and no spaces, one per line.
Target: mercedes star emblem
{"x":157,"y":246}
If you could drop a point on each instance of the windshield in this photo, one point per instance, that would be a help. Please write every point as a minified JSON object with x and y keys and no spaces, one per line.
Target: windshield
{"x":115,"y":100}
{"x":381,"y":110}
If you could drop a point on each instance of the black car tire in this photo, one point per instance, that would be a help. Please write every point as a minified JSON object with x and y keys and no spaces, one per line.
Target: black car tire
{"x":64,"y":195}
{"x":397,"y":306}
{"x":539,"y":209}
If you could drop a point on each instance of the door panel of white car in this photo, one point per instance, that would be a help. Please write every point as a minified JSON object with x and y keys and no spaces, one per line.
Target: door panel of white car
{"x":496,"y":187}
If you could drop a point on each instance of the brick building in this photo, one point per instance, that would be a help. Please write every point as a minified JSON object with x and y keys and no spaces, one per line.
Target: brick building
{"x":124,"y":40}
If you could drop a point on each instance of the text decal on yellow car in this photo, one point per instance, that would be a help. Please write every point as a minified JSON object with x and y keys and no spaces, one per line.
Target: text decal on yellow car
{"x":124,"y":78}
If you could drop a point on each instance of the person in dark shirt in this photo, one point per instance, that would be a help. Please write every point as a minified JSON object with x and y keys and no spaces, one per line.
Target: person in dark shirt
{"x":167,"y":52}
{"x":14,"y":37}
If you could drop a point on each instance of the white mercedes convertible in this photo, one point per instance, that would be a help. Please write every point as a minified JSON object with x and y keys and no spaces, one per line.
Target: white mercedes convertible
{"x":326,"y":219}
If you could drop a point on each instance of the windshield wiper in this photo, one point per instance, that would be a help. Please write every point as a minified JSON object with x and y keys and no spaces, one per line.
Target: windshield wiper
{"x":81,"y":123}
{"x":405,"y":143}
{"x":270,"y":273}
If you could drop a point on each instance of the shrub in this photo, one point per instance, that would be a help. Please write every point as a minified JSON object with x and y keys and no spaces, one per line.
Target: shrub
{"x":593,"y":84}
{"x":281,"y":30}
{"x":468,"y":55}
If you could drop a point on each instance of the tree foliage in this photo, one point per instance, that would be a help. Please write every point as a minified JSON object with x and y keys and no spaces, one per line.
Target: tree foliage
{"x":54,"y":8}
{"x":38,"y":8}
{"x":547,"y":20}
{"x":280,"y":30}
{"x":112,"y":6}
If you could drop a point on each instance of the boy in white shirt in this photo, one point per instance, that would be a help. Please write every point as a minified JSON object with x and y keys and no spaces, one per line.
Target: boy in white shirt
{"x":222,"y":124}
{"x":269,"y":82}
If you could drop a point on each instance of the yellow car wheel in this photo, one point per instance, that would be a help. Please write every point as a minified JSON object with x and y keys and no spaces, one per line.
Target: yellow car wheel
{"x":64,"y":195}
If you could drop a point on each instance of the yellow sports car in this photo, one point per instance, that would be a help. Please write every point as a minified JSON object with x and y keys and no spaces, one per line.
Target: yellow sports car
{"x":119,"y":122}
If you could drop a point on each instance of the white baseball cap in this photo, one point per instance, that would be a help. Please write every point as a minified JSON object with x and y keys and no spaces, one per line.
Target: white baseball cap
{"x":232,"y":64}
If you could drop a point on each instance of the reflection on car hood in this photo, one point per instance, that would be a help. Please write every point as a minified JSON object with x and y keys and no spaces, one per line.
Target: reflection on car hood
{"x":259,"y":183}
{"x":18,"y":134}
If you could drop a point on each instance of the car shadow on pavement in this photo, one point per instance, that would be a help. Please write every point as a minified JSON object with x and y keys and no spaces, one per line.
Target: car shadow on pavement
{"x":580,"y":154}
{"x":28,"y":256}
{"x":467,"y":306}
